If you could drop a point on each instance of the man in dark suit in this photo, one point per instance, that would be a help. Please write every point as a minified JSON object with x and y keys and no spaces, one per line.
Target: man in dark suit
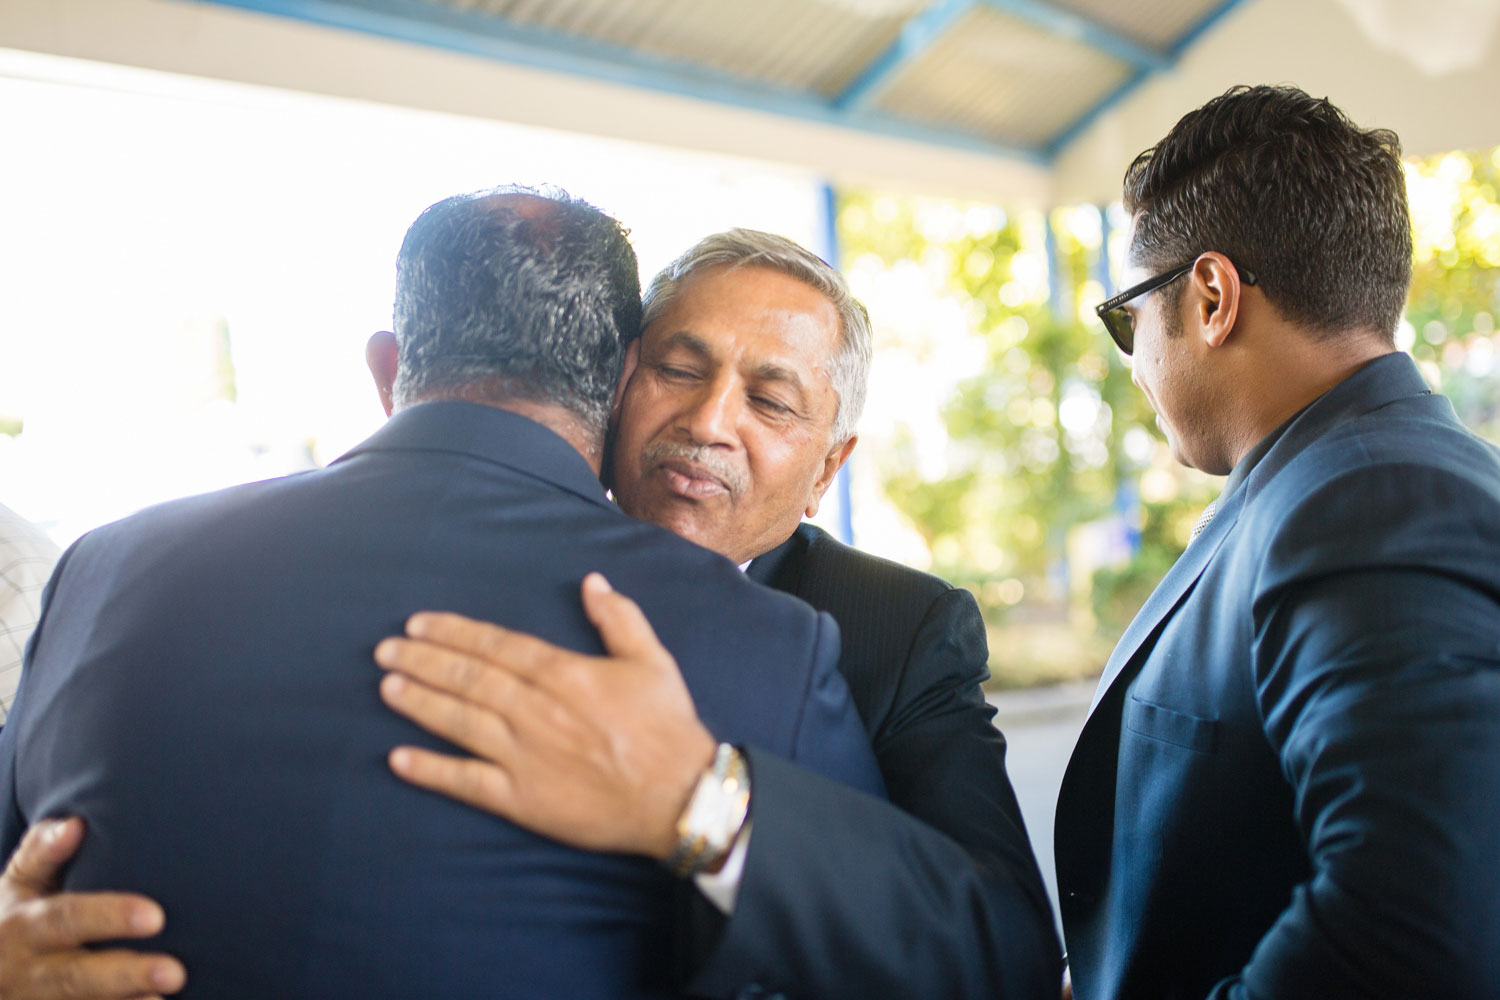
{"x":200,"y":691}
{"x":740,"y":405}
{"x":1289,"y":783}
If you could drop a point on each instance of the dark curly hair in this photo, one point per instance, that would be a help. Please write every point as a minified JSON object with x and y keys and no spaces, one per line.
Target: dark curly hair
{"x":1285,"y":185}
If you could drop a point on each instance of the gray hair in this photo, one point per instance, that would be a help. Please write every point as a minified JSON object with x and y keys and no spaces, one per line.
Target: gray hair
{"x":514,"y":292}
{"x":848,"y":369}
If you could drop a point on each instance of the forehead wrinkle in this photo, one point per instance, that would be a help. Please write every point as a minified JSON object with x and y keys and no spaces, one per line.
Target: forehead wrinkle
{"x":770,"y":371}
{"x":688,"y":341}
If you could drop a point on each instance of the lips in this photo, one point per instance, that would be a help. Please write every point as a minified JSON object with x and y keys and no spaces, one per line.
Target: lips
{"x":691,"y":481}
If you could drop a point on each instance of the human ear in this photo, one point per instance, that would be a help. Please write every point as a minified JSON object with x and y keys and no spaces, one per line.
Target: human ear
{"x":1219,"y":287}
{"x":632,"y":358}
{"x":832,"y":462}
{"x":381,"y":355}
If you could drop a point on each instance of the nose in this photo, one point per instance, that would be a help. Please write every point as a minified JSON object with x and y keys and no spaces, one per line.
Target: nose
{"x":712,"y":417}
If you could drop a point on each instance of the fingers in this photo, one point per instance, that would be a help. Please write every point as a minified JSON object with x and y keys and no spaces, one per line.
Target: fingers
{"x":105,"y":975}
{"x":34,"y":867}
{"x":521,"y":654}
{"x":457,"y":671}
{"x":476,"y":782}
{"x":474,"y":728}
{"x":622,"y":625}
{"x":76,"y":918}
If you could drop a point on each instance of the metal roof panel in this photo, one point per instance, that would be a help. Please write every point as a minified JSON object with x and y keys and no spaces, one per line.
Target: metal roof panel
{"x":1003,"y":78}
{"x":1157,"y":24}
{"x":809,"y":45}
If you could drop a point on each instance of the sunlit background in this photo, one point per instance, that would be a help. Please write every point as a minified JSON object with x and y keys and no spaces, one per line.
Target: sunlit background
{"x":191,"y":269}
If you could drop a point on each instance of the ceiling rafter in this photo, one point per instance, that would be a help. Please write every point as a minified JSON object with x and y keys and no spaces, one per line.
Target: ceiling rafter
{"x":474,"y":31}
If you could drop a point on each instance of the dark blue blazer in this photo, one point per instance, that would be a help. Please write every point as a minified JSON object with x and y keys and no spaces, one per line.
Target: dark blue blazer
{"x":201,"y":691}
{"x":935,"y":893}
{"x":1289,"y":785}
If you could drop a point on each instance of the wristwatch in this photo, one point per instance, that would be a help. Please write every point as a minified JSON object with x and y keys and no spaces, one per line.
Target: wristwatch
{"x":714,"y":814}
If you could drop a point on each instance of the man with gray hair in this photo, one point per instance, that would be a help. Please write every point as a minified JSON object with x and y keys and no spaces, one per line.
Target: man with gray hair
{"x":200,"y":688}
{"x":740,"y":404}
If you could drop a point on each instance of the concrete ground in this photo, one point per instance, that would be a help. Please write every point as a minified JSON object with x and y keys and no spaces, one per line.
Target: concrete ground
{"x":1040,"y":726}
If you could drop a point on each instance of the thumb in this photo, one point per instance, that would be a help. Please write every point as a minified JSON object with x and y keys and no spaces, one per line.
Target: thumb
{"x":622,"y":626}
{"x":47,"y":846}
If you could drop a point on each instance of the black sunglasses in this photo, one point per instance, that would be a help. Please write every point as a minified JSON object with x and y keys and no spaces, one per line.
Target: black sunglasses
{"x":1118,"y":322}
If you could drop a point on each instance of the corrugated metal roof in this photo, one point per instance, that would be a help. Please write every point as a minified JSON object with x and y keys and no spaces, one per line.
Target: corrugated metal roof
{"x":1010,"y":77}
{"x":811,"y":46}
{"x":1046,"y":79}
{"x":1157,"y":23}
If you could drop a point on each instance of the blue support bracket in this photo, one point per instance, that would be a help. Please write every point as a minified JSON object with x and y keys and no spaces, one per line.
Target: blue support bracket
{"x":1080,"y":125}
{"x":916,"y":38}
{"x":1068,"y":24}
{"x":494,"y":37}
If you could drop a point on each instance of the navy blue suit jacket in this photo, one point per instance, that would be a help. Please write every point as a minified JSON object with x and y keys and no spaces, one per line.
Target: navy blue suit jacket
{"x":1289,"y":785}
{"x":201,"y":691}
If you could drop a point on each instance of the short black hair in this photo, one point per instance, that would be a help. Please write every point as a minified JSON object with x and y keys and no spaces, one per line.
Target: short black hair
{"x":521,"y":293}
{"x":1285,"y":185}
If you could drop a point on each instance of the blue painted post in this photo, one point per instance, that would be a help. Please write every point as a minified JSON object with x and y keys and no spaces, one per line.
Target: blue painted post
{"x":1058,"y":292}
{"x":831,"y":254}
{"x":1102,"y":262}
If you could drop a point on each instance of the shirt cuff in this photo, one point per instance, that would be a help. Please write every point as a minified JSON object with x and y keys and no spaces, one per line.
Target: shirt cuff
{"x":723,"y":886}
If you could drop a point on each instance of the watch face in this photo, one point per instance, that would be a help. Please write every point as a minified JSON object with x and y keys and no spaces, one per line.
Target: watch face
{"x":717,"y":809}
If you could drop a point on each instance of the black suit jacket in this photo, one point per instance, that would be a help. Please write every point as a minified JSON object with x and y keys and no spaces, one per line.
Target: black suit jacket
{"x":201,"y":691}
{"x":1289,"y":785}
{"x":932,"y":894}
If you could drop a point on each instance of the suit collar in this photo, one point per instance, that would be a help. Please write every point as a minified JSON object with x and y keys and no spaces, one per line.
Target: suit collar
{"x":781,"y":568}
{"x":1382,"y":381}
{"x":490,"y":434}
{"x":1170,"y":592}
{"x":1386,"y":379}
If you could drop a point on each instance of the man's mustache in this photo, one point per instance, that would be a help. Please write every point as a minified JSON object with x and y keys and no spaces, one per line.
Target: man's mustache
{"x":699,"y":455}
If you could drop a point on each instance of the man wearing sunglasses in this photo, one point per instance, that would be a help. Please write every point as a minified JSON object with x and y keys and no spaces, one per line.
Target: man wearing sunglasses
{"x":1289,"y":782}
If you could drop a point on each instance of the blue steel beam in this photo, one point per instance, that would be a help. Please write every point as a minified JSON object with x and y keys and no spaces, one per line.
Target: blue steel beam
{"x":916,"y":38}
{"x":1080,"y":125}
{"x":492,"y":37}
{"x":1068,"y":24}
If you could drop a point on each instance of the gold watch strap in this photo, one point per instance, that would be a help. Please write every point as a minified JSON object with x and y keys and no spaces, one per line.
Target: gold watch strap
{"x":714,"y":814}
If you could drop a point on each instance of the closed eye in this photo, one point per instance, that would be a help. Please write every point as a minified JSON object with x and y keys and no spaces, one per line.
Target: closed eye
{"x":674,"y":372}
{"x":771,"y":405}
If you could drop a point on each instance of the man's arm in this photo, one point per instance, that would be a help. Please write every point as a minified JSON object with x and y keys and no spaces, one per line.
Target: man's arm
{"x":935,"y":893}
{"x":596,"y":752}
{"x":43,"y":937}
{"x":1379,"y":680}
{"x":939,"y":918}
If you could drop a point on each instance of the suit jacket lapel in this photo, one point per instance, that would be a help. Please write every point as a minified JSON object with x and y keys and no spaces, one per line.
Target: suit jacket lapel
{"x":1170,"y":592}
{"x":781,"y":568}
{"x":1387,"y":378}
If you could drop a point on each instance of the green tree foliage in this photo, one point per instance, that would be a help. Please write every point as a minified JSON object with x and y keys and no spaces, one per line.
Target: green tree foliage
{"x":1036,"y":437}
{"x":1455,"y":290}
{"x":1050,"y":434}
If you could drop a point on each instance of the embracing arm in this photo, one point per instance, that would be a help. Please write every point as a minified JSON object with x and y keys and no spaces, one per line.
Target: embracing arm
{"x":935,"y":893}
{"x":44,"y":934}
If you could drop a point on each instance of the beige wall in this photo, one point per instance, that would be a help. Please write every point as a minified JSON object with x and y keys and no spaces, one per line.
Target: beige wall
{"x":212,"y":41}
{"x":1316,"y":45}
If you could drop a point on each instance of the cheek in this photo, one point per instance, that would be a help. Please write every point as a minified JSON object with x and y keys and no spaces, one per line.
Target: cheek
{"x":783,"y":464}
